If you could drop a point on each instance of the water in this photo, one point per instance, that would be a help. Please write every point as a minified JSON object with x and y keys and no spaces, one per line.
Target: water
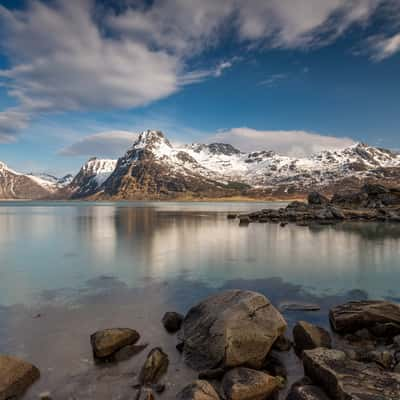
{"x":68,"y":269}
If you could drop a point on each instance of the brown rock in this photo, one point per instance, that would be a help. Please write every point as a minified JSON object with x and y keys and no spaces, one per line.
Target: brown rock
{"x":342,"y":378}
{"x":15,"y":377}
{"x":198,"y":390}
{"x":155,"y":367}
{"x":306,"y":392}
{"x":308,"y":336}
{"x":248,"y":384}
{"x":108,"y":341}
{"x":355,"y":315}
{"x":230,"y":329}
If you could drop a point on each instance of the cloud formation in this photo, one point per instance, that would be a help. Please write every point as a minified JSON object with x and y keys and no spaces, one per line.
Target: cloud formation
{"x":383,"y":47}
{"x":85,"y":55}
{"x":111,"y":144}
{"x":290,"y":143}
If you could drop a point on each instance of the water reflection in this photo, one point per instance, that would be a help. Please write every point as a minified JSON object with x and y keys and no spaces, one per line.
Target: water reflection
{"x":48,"y":247}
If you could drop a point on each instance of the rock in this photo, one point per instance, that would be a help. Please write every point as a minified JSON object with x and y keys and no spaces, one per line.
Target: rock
{"x":317,"y":199}
{"x":382,"y":358}
{"x":159,"y":388}
{"x":308,"y":336}
{"x":355,"y":315}
{"x":154,"y":367}
{"x":282,"y":344}
{"x":15,"y":377}
{"x":232,"y":216}
{"x":128,"y":351}
{"x":248,"y":384}
{"x":385,"y":330}
{"x":337,"y":213}
{"x":145,"y":394}
{"x":299,"y":307}
{"x":230,"y":329}
{"x":107,"y":342}
{"x":198,"y":390}
{"x":396,"y":369}
{"x":343,"y":378}
{"x":208,"y":374}
{"x":306,"y":391}
{"x":172,"y":321}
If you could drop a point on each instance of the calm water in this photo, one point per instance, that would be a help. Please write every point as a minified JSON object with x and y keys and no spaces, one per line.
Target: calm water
{"x":79,"y":267}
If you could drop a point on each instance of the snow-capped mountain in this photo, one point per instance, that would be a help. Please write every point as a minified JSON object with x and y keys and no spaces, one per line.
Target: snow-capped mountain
{"x":155,"y":167}
{"x":14,"y":185}
{"x":91,"y":176}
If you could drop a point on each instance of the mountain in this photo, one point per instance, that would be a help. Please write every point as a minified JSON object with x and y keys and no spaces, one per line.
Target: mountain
{"x":154,"y":168}
{"x":14,"y":185}
{"x":91,"y":177}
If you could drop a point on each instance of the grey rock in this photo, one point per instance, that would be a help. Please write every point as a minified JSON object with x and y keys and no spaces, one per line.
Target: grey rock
{"x":248,"y":384}
{"x":198,"y":390}
{"x":355,"y":315}
{"x":172,"y":321}
{"x":308,"y":336}
{"x":15,"y":377}
{"x":155,"y":366}
{"x":230,"y":329}
{"x":342,"y":378}
{"x":107,"y":342}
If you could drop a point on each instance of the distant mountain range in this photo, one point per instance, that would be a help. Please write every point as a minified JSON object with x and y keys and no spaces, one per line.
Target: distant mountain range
{"x":153,"y":168}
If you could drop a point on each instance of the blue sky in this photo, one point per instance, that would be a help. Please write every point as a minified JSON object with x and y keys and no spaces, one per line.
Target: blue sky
{"x":81,"y":78}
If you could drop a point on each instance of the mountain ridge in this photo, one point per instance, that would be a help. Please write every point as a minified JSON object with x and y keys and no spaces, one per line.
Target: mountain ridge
{"x":154,"y":168}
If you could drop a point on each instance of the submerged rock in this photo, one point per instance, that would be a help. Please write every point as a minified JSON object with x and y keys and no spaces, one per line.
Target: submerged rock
{"x":308,"y":336}
{"x":343,"y":378}
{"x":15,"y":377}
{"x":230,"y":329}
{"x":248,"y":384}
{"x":355,"y":315}
{"x":299,"y":307}
{"x":198,"y":390}
{"x":172,"y":321}
{"x":155,"y":367}
{"x":107,"y":342}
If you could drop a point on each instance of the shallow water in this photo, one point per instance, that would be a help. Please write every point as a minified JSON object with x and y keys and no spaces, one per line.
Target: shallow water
{"x":68,"y":269}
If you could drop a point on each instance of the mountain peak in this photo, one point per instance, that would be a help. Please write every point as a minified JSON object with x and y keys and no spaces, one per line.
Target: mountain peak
{"x":151,"y":138}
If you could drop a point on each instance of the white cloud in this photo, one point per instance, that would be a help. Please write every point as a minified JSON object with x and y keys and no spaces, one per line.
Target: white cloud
{"x":78,"y":55}
{"x":11,"y":122}
{"x":291,"y":143}
{"x":103,"y":144}
{"x":384,"y":47}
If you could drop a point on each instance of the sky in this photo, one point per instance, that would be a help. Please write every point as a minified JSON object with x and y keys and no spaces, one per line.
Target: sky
{"x":81,"y":78}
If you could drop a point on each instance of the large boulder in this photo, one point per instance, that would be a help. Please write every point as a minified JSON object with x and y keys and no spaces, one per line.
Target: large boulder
{"x":154,"y":367}
{"x":248,"y":384}
{"x":308,"y":336}
{"x":344,"y":379}
{"x":15,"y":377}
{"x":198,"y":390}
{"x":355,"y":315}
{"x":230,"y":329}
{"x":107,"y":342}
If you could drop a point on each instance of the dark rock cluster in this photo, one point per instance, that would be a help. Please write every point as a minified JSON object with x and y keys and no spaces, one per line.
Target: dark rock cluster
{"x":371,"y":203}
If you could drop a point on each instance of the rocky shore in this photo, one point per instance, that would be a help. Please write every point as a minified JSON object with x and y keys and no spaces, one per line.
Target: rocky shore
{"x":235,"y":340}
{"x":372,"y":203}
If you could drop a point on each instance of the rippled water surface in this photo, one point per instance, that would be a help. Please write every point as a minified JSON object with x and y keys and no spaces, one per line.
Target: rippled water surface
{"x":68,"y":269}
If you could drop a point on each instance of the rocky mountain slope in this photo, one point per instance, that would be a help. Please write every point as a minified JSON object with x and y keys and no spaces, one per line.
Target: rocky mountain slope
{"x":153,"y":168}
